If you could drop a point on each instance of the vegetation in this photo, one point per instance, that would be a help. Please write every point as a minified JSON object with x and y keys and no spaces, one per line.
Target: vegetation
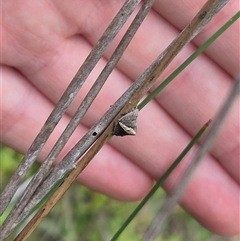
{"x":89,"y":216}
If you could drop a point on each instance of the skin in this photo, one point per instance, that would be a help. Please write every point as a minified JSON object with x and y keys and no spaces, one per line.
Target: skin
{"x":45,"y":42}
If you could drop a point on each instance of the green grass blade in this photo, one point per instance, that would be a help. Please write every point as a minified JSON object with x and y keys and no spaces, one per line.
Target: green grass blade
{"x":161,"y":180}
{"x":189,"y":60}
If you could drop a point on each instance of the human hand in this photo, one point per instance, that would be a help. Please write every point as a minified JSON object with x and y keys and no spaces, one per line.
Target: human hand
{"x":45,"y":42}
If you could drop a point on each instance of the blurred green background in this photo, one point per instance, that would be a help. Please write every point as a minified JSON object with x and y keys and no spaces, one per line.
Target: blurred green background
{"x":89,"y":216}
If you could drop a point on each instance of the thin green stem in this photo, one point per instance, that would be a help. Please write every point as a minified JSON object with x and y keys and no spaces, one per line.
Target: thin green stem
{"x":189,"y":60}
{"x":161,"y":180}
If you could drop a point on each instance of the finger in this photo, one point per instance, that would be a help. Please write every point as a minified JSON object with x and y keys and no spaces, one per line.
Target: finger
{"x":22,"y":118}
{"x":224,"y":51}
{"x":217,"y":209}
